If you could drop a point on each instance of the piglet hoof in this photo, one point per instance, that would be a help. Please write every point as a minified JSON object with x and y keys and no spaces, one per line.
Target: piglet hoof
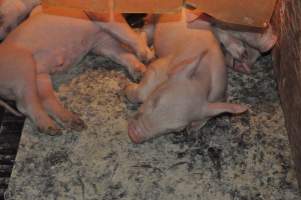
{"x":51,"y":130}
{"x":76,"y":123}
{"x":54,"y":131}
{"x":137,"y":71}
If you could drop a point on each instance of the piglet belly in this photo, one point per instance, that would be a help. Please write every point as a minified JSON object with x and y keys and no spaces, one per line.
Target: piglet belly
{"x":57,"y":59}
{"x":56,"y":42}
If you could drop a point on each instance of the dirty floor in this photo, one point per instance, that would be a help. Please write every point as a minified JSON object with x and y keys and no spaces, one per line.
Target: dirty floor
{"x":243,"y":157}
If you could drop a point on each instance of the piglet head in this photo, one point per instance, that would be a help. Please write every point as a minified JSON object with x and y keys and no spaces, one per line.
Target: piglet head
{"x":176,"y":103}
{"x":162,"y":112}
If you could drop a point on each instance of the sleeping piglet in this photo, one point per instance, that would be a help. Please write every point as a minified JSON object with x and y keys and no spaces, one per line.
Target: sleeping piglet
{"x":184,"y":86}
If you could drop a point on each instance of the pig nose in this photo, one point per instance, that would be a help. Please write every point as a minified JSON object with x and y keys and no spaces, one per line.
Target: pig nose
{"x":134,"y":132}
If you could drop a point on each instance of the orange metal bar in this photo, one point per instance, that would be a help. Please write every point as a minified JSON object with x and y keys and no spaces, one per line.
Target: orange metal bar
{"x":90,"y":5}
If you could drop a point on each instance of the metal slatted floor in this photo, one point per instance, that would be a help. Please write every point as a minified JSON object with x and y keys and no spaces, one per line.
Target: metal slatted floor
{"x":10,"y":133}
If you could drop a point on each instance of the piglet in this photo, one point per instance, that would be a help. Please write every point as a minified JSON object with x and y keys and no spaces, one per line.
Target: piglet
{"x":185,"y":86}
{"x":243,"y":47}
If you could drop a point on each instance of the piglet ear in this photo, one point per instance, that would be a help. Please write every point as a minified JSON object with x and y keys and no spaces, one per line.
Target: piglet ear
{"x":214,"y":109}
{"x":192,"y":15}
{"x":187,"y":68}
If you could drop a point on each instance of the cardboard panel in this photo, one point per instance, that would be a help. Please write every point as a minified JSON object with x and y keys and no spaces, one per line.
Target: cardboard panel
{"x":88,"y":5}
{"x":147,"y":6}
{"x":256,"y":13}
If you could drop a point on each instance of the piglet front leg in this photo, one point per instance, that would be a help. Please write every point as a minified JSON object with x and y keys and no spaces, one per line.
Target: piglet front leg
{"x":233,"y":45}
{"x":118,"y":28}
{"x":157,"y":72}
{"x":108,"y":46}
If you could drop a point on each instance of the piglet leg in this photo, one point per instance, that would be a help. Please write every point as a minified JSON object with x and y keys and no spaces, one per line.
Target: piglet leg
{"x":28,"y":102}
{"x":233,"y":45}
{"x":118,"y":28}
{"x":245,"y":63}
{"x":111,"y":48}
{"x":54,"y":106}
{"x":18,"y":82}
{"x":156,"y":73}
{"x":263,"y":41}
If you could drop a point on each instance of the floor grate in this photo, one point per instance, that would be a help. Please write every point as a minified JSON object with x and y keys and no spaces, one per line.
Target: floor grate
{"x":10,"y":134}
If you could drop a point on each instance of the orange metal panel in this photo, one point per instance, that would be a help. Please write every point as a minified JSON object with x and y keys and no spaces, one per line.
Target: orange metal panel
{"x":147,"y":6}
{"x":256,"y":13}
{"x":89,"y":5}
{"x":75,"y":13}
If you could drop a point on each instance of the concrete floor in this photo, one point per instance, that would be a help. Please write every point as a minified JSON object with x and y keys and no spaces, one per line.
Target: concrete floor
{"x":243,"y":157}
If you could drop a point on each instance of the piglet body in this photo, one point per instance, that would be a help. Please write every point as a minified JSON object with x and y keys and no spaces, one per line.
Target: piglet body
{"x":185,"y":86}
{"x":56,"y":42}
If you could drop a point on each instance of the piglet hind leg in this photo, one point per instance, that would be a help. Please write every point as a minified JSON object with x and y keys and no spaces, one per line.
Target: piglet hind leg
{"x":18,"y":76}
{"x":28,"y":102}
{"x":54,"y":107}
{"x":30,"y":105}
{"x":262,"y":41}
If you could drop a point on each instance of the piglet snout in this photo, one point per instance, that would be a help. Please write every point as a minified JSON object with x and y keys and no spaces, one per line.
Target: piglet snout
{"x":135,"y":133}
